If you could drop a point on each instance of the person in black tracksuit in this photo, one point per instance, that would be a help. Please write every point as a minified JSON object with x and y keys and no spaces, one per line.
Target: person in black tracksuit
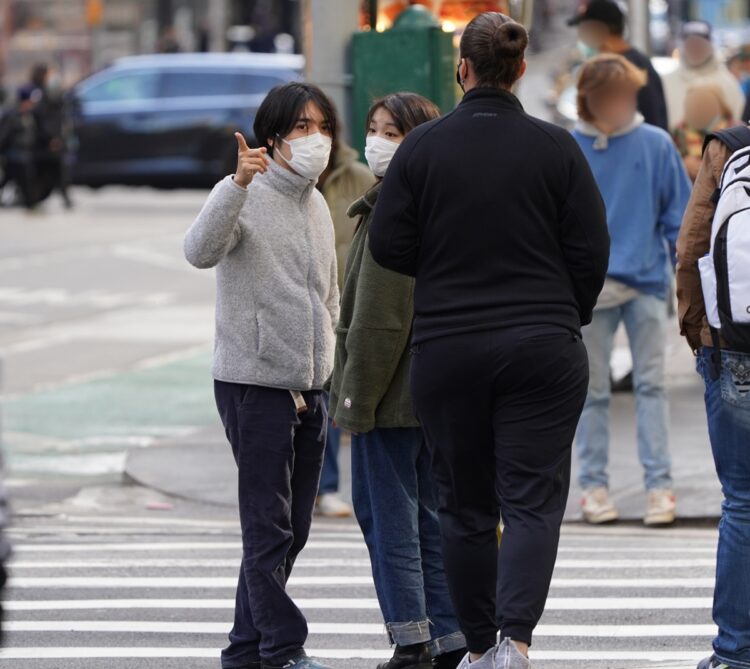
{"x":498,"y":217}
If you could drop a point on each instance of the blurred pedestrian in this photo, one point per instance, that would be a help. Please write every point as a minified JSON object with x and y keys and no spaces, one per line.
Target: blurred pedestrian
{"x":706,"y":111}
{"x":601,"y":29}
{"x":268,"y":232}
{"x":54,"y":131}
{"x":699,"y":62}
{"x":5,"y":548}
{"x":18,"y":141}
{"x":498,"y":217}
{"x":724,"y":364}
{"x":645,"y":188}
{"x":343,"y":181}
{"x":394,"y":494}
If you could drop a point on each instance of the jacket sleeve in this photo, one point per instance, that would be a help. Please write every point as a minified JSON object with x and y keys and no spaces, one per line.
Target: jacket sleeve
{"x":584,"y":235}
{"x":394,"y":231}
{"x":375,"y":343}
{"x":216,"y":230}
{"x":674,"y":196}
{"x":694,"y":241}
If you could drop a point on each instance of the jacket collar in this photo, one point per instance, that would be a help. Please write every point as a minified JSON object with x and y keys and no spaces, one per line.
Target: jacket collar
{"x":282,"y":180}
{"x":496,"y":95}
{"x":366,"y":203}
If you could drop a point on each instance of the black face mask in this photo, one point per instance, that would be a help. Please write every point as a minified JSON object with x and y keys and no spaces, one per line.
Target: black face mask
{"x":458,"y":77}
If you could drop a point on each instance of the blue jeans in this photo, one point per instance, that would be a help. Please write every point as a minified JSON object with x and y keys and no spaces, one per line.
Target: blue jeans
{"x":396,"y":506}
{"x":329,"y":477}
{"x":645,"y":319}
{"x":728,"y":411}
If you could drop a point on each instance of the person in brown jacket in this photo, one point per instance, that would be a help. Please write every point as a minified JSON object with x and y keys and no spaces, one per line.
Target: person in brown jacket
{"x":727,"y":378}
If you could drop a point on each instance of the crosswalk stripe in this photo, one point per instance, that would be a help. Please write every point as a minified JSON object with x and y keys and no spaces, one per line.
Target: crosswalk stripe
{"x":171,"y":546}
{"x":345,"y":563}
{"x":111,"y":652}
{"x":204,"y":627}
{"x":333,"y":603}
{"x":156,"y":582}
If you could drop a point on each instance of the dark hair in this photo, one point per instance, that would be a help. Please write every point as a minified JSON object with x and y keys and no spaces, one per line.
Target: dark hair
{"x":408,"y":110}
{"x":38,"y":74}
{"x":495,"y":44}
{"x":282,"y":108}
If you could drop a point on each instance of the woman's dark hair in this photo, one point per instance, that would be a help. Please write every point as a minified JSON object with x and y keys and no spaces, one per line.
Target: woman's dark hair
{"x":283,"y":107}
{"x":495,"y":44}
{"x":408,"y":110}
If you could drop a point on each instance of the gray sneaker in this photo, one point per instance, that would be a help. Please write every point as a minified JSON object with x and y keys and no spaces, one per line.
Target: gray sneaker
{"x":507,"y":656}
{"x":487,"y":661}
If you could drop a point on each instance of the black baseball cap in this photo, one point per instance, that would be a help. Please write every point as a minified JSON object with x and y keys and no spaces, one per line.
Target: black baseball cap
{"x":604,"y":11}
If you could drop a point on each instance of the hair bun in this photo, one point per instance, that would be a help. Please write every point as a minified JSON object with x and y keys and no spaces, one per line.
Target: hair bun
{"x":510,"y":40}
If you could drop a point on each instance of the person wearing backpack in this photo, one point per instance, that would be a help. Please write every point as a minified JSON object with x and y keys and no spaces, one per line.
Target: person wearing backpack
{"x":713,"y":292}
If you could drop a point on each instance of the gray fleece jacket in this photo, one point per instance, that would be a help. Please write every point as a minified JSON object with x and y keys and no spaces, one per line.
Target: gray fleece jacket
{"x":277,"y":301}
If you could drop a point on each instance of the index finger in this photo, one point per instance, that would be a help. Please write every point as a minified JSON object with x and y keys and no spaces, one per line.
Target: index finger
{"x":241,"y":143}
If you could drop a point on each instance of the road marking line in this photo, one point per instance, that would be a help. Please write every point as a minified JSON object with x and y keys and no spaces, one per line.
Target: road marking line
{"x":81,"y":652}
{"x":157,"y":582}
{"x":345,"y":563}
{"x":553,"y":604}
{"x":338,"y":628}
{"x":168,"y":546}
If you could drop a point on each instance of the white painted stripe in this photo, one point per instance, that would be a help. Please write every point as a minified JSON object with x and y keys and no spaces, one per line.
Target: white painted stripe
{"x":157,"y":582}
{"x":337,"y":628}
{"x":318,"y":525}
{"x":345,"y":563}
{"x":571,"y":531}
{"x":166,"y":546}
{"x":87,"y":652}
{"x":167,"y":563}
{"x":553,"y":604}
{"x":654,"y":549}
{"x":185,"y":604}
{"x":627,"y":603}
{"x":123,"y":582}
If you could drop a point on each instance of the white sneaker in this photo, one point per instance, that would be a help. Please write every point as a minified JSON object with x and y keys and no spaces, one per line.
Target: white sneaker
{"x":487,"y":661}
{"x":597,"y":507}
{"x":331,"y":505}
{"x":661,"y":506}
{"x":507,"y":656}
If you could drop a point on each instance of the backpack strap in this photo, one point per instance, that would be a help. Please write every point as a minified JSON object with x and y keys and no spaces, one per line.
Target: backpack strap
{"x":733,"y":138}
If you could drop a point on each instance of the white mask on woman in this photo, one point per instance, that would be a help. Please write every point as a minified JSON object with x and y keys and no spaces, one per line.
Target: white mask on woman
{"x":378,"y":152}
{"x":310,"y":154}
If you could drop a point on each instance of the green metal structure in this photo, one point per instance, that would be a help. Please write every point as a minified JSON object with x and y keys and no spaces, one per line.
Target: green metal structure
{"x":415,"y":55}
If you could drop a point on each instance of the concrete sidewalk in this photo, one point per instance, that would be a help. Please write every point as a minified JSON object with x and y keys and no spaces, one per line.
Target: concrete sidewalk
{"x":201,"y":467}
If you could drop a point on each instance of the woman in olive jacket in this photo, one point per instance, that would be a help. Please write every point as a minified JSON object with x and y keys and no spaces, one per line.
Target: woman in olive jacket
{"x":394,"y":496}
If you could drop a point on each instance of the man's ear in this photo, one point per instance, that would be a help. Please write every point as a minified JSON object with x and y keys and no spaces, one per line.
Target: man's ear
{"x":522,"y":69}
{"x":465,"y":65}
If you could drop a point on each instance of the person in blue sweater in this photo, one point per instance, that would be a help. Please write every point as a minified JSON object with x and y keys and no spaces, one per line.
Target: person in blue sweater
{"x":645,"y":189}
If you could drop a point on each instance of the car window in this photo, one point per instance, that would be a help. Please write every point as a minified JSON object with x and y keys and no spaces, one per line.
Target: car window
{"x":128,"y":86}
{"x":207,"y":84}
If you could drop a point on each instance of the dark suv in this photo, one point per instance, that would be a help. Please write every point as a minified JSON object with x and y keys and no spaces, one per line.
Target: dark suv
{"x":168,"y":120}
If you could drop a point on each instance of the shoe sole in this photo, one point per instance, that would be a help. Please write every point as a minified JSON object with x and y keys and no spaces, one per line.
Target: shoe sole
{"x":660,"y":520}
{"x":601,"y":519}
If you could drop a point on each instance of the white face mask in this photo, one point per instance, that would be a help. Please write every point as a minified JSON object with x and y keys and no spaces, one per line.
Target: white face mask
{"x":378,"y":152}
{"x":310,"y":154}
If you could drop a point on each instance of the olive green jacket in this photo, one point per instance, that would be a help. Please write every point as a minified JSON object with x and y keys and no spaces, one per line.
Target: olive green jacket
{"x":370,"y":383}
